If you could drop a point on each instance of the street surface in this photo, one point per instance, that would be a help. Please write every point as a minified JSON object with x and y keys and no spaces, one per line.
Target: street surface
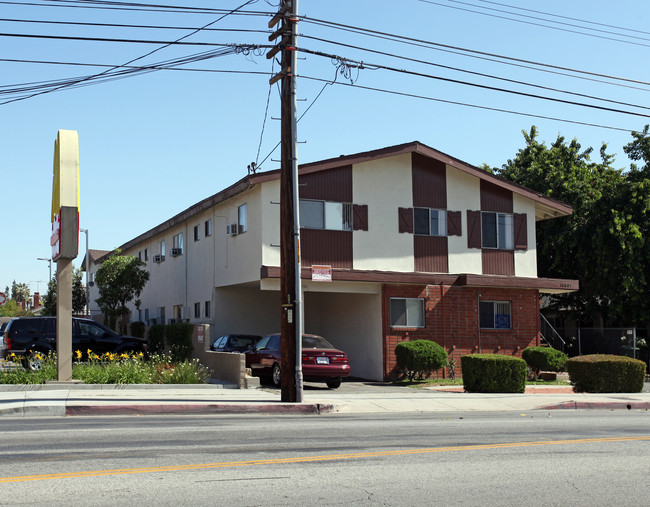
{"x":542,"y":457}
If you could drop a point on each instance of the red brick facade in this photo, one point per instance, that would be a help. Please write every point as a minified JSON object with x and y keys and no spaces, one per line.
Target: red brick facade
{"x":451,"y":320}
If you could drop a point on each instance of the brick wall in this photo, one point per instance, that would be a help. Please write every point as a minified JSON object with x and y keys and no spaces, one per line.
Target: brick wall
{"x":451,"y":320}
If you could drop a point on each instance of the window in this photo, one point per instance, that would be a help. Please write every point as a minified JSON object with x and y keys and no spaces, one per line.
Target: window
{"x":146,"y":314}
{"x":333,"y":216}
{"x":146,"y":254}
{"x":407,"y":312}
{"x":162,"y":248}
{"x":161,"y":314}
{"x":177,"y":244}
{"x":197,"y":310}
{"x":208,"y":228}
{"x":242,"y":218}
{"x":495,"y":314}
{"x":140,"y":255}
{"x":197,"y":233}
{"x":207,"y":309}
{"x":429,"y":222}
{"x":497,"y":230}
{"x":178,"y":313}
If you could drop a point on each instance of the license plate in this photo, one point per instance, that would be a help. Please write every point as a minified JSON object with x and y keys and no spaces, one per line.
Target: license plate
{"x":322,"y":360}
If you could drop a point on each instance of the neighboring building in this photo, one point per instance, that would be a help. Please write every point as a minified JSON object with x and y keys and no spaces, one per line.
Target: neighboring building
{"x":93,"y":293}
{"x":421,"y":245}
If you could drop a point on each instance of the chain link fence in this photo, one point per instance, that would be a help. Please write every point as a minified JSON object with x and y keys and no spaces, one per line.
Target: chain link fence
{"x":622,"y":341}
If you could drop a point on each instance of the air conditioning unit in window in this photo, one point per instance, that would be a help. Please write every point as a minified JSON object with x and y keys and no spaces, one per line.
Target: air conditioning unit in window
{"x":176,"y":252}
{"x":158,"y":258}
{"x":231,"y":229}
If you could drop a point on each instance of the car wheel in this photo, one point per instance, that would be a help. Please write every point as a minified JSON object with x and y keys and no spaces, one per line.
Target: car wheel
{"x":275,"y":375}
{"x":334,"y":383}
{"x":34,"y":361}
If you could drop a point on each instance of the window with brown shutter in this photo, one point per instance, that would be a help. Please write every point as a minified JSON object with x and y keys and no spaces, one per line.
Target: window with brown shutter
{"x":454,"y":224}
{"x":521,"y":231}
{"x":360,"y":217}
{"x":473,"y":229}
{"x":405,"y":220}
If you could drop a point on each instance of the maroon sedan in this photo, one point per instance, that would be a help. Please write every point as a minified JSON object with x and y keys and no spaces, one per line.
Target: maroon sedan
{"x":321,"y":362}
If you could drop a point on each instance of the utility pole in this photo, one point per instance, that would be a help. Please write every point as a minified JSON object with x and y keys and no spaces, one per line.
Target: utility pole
{"x":290,"y":283}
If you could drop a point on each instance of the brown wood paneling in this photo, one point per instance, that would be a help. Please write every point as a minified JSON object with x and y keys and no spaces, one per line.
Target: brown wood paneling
{"x":405,"y":218}
{"x":429,"y":182}
{"x":331,"y":185}
{"x":430,"y":254}
{"x":360,"y":217}
{"x":521,"y":231}
{"x":473,"y":229}
{"x":333,"y":248}
{"x":494,"y":198}
{"x":454,"y":223}
{"x":498,"y":262}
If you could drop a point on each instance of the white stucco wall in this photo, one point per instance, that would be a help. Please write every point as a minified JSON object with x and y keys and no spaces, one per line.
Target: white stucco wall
{"x":463,"y":193}
{"x":384,"y":185}
{"x":526,"y":260}
{"x":270,"y":220}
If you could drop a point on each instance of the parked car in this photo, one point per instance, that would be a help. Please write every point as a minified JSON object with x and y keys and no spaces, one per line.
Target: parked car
{"x":235,"y":342}
{"x":26,"y":336}
{"x":321,"y":362}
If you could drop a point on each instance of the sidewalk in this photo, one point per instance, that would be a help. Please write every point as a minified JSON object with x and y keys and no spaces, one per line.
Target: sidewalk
{"x":353,"y":397}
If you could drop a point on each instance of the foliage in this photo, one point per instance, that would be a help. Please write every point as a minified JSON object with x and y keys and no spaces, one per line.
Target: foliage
{"x":178,"y":337}
{"x":544,"y":359}
{"x":114,"y":369}
{"x":156,"y":339}
{"x":12,"y":309}
{"x":120,"y":279}
{"x":19,"y":292}
{"x":602,"y":373}
{"x":78,"y":295}
{"x":610,"y":207}
{"x":137,"y":329}
{"x":493,"y":373}
{"x":419,"y":358}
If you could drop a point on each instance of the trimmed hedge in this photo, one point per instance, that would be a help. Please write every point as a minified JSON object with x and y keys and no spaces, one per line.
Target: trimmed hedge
{"x":544,"y":359}
{"x":137,"y":329}
{"x":156,"y":339}
{"x":602,"y":373}
{"x":420,"y":358}
{"x":493,"y":373}
{"x":179,"y":339}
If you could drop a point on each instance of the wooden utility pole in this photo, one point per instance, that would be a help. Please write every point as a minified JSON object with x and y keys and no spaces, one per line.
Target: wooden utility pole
{"x":290,"y":283}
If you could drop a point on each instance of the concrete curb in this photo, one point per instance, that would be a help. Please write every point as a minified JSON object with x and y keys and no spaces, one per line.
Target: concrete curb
{"x":598,"y":405}
{"x":197,"y":409}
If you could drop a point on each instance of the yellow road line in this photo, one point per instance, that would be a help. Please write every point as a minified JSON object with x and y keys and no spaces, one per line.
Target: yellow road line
{"x":303,"y":459}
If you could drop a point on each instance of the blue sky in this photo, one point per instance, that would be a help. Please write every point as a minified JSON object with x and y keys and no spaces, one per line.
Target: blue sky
{"x":153,"y":144}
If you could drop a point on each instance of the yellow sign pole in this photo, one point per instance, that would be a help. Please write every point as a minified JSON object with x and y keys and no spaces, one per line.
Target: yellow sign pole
{"x":65,"y":241}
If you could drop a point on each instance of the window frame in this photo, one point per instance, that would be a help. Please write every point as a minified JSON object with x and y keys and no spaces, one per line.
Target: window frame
{"x":504,"y":239}
{"x":177,"y":242}
{"x":207,"y":309}
{"x":242,"y":218}
{"x":327,"y":209}
{"x":207,"y":228}
{"x":394,"y":319}
{"x":494,"y":315}
{"x":197,"y":310}
{"x":197,"y":232}
{"x":441,"y":222}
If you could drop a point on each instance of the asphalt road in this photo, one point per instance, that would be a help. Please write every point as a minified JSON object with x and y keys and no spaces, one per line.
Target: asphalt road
{"x":559,"y":458}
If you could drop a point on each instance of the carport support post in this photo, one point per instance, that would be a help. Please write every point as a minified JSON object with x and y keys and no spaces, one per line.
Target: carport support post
{"x":64,"y":319}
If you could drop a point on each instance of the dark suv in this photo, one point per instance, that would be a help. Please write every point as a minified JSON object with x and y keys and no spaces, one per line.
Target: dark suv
{"x":26,"y":335}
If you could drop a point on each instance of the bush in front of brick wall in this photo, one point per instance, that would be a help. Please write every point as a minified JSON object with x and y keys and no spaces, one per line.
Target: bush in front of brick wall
{"x":493,"y":373}
{"x":420,"y":358}
{"x":544,"y":359}
{"x":602,"y":373}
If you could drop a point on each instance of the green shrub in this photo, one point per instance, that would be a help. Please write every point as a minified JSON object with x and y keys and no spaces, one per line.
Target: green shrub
{"x":493,"y":373}
{"x":137,"y":329}
{"x":178,"y":337}
{"x":544,"y":359}
{"x":602,"y":373}
{"x":420,"y":358}
{"x":156,"y":339}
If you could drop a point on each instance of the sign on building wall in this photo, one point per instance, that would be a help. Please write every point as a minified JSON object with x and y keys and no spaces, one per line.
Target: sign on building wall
{"x":321,"y":273}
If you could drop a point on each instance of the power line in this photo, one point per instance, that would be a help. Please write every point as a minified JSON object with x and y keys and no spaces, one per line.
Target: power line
{"x":434,"y":99}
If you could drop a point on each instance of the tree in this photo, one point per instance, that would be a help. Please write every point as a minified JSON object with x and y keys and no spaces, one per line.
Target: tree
{"x":19,"y":292}
{"x":120,"y":279}
{"x":78,"y":295}
{"x":602,"y":242}
{"x":12,"y":309}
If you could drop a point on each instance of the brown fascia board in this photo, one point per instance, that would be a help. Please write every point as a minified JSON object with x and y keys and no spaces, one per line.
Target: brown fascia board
{"x":559,"y":208}
{"x":233,"y":190}
{"x":551,"y":285}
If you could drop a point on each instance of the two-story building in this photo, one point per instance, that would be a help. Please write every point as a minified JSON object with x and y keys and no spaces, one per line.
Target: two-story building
{"x":420,"y":244}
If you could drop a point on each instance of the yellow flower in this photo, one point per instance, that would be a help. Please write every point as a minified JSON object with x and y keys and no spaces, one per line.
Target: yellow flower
{"x":124,"y":356}
{"x":78,"y":352}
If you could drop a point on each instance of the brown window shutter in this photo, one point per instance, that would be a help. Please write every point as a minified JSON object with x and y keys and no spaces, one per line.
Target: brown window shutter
{"x":405,"y":220}
{"x":454,"y":224}
{"x":473,"y":229}
{"x":360,"y":217}
{"x":521,"y":231}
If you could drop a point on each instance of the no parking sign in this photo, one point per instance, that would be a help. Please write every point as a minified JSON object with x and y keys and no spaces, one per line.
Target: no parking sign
{"x":3,"y":298}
